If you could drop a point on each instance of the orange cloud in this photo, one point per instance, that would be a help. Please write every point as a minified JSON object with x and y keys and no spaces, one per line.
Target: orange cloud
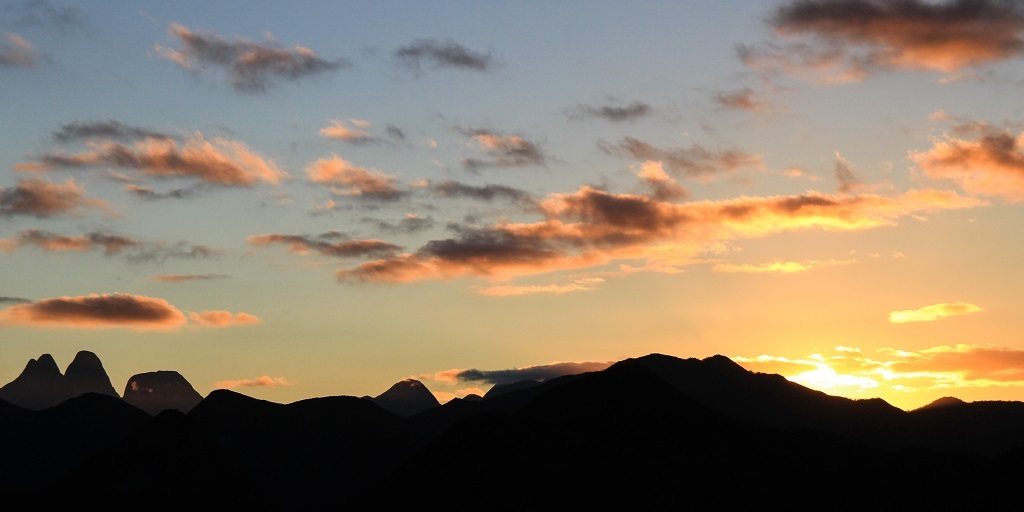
{"x":96,"y":311}
{"x":17,"y":52}
{"x":851,"y":39}
{"x":933,"y":312}
{"x":325,"y":244}
{"x":219,"y":160}
{"x":593,"y":227}
{"x":355,"y":134}
{"x":663,"y":187}
{"x":263,"y":381}
{"x":44,"y":199}
{"x":354,"y":181}
{"x":557,"y":289}
{"x":223,"y":318}
{"x":695,"y":161}
{"x":992,"y":164}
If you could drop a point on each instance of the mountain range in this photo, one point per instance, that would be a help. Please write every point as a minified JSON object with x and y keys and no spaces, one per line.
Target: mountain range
{"x":652,"y":432}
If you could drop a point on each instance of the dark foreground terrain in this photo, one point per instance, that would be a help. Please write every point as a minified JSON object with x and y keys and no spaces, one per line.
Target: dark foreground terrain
{"x":655,"y":432}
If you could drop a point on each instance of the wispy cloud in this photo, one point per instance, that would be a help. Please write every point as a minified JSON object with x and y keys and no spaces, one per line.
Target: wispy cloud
{"x":44,"y":199}
{"x":612,"y":111}
{"x":222,"y":318}
{"x":692,"y":162}
{"x":663,"y":187}
{"x":933,"y":312}
{"x":489,"y":192}
{"x":41,"y":13}
{"x":109,"y":129}
{"x":504,"y":150}
{"x":743,"y":99}
{"x":443,"y":54}
{"x":845,"y":40}
{"x":777,"y":267}
{"x":347,"y":179}
{"x":332,"y":243}
{"x":991,"y":163}
{"x":251,"y":67}
{"x":263,"y":381}
{"x":133,"y":249}
{"x":179,"y":278}
{"x":411,"y":223}
{"x":511,"y":290}
{"x":219,"y":160}
{"x":17,"y":52}
{"x":14,"y":300}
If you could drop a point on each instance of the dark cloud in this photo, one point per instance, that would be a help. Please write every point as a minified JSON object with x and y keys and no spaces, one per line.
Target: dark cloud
{"x":133,"y":249}
{"x":44,"y":199}
{"x":44,"y":14}
{"x":409,"y":224}
{"x":505,"y":150}
{"x":104,"y":130}
{"x":150,"y":194}
{"x":394,"y":132}
{"x":252,"y":66}
{"x":16,"y":52}
{"x":981,"y":159}
{"x":488,"y":192}
{"x":95,"y":311}
{"x":694,"y":162}
{"x":539,"y":373}
{"x":443,"y":54}
{"x":629,"y":112}
{"x":333,"y":243}
{"x":14,"y":300}
{"x":850,"y":39}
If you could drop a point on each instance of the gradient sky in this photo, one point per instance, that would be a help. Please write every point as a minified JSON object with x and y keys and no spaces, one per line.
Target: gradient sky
{"x":308,"y":199}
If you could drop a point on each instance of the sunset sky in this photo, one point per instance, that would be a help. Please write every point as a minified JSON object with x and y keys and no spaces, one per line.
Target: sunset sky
{"x":304,"y":199}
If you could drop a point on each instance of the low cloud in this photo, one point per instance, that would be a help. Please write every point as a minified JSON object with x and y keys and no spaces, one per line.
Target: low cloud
{"x":443,"y":54}
{"x":14,"y":300}
{"x":346,"y":179}
{"x":593,"y":227}
{"x":334,"y":244}
{"x":663,"y":187}
{"x":96,"y":311}
{"x":16,"y":52}
{"x":44,"y":199}
{"x":264,"y":381}
{"x":222,"y":318}
{"x":990,"y":162}
{"x":539,"y":372}
{"x":151,"y":194}
{"x":355,"y":133}
{"x":933,"y":312}
{"x":693,"y":162}
{"x":612,"y":112}
{"x":847,"y":40}
{"x":511,"y":290}
{"x":112,"y":244}
{"x":218,"y":161}
{"x":251,"y":67}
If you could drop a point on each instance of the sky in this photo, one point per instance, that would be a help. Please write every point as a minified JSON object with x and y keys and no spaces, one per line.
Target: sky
{"x":307,"y":199}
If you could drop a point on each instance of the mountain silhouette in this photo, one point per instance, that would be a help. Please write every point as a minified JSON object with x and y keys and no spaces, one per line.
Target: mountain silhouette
{"x":406,"y":398}
{"x":652,"y":432}
{"x":158,"y":391}
{"x":41,"y":384}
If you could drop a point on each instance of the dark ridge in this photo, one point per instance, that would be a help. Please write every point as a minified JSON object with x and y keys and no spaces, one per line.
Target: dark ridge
{"x":406,"y":398}
{"x":40,"y":385}
{"x":501,"y":389}
{"x":157,"y":391}
{"x":946,"y":401}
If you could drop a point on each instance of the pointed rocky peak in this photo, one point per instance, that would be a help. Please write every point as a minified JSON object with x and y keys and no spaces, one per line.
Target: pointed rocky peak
{"x":85,"y":374}
{"x":154,"y":392}
{"x":45,"y":366}
{"x":39,"y":386}
{"x":406,"y":398}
